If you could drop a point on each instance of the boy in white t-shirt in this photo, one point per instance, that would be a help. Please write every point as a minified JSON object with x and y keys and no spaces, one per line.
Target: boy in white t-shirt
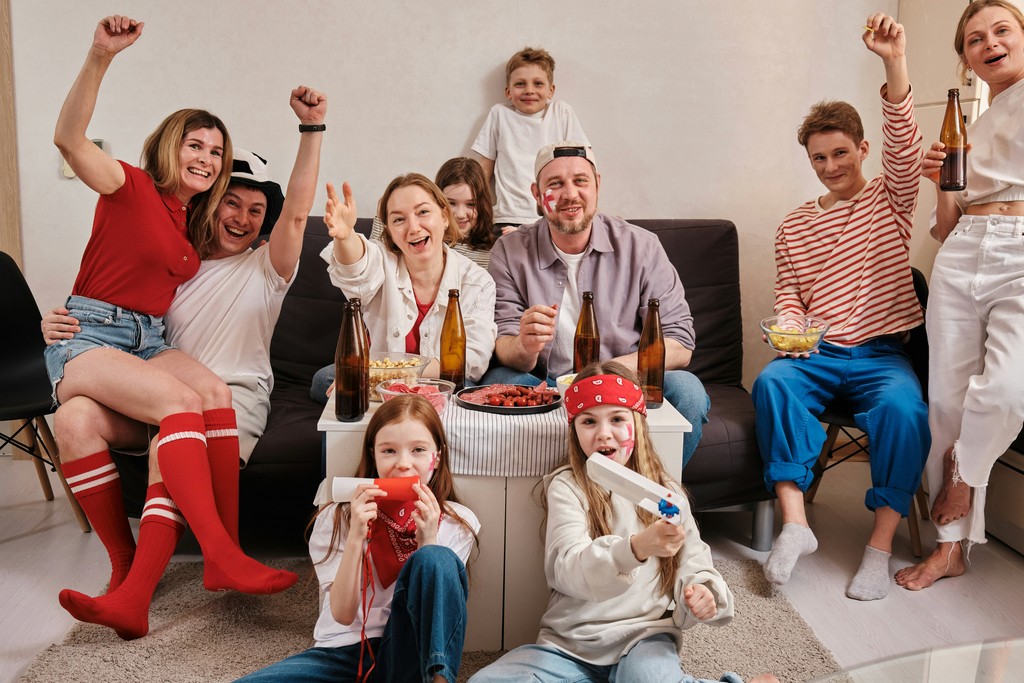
{"x":513,"y":133}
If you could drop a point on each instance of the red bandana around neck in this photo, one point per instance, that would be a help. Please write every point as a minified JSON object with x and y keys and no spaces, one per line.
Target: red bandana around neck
{"x":392,"y":538}
{"x":603,"y":390}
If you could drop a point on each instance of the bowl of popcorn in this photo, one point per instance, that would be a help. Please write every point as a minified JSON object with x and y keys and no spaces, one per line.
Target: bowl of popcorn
{"x":437,"y":391}
{"x":794,"y":333}
{"x":385,"y":365}
{"x":563,"y":382}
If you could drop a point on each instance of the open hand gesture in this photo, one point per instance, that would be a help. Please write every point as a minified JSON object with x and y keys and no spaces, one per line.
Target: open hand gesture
{"x":116,"y":32}
{"x":309,"y":105}
{"x":884,"y":37}
{"x":427,"y":515}
{"x":340,"y":216}
{"x":699,"y":599}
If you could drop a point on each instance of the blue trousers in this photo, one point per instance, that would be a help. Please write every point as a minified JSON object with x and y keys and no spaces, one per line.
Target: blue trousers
{"x":652,"y":659}
{"x":878,"y":382}
{"x":423,"y":636}
{"x":682,"y":389}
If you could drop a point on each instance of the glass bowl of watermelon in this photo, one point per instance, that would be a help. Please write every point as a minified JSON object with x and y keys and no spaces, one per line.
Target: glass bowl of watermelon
{"x":437,"y":391}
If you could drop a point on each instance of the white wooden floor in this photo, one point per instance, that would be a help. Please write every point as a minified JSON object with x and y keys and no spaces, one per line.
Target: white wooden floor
{"x":986,"y":603}
{"x":42,"y":550}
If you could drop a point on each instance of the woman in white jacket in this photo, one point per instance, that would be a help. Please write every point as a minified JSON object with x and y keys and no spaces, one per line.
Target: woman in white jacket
{"x":623,"y":583}
{"x":403,"y":280}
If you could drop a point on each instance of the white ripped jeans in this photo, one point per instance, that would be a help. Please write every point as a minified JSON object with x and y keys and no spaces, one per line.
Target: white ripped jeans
{"x":976,"y":356}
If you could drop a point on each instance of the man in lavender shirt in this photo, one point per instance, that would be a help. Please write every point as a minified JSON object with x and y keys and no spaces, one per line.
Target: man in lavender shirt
{"x":541,"y":270}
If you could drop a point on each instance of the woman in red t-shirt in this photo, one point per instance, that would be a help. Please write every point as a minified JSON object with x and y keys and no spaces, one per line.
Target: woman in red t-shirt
{"x":152,"y":225}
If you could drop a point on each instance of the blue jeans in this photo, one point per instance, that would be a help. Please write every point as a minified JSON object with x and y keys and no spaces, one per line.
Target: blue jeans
{"x":322,"y":381}
{"x":651,"y":659}
{"x":878,"y":382}
{"x":105,"y":326}
{"x":427,"y":626}
{"x":682,"y":389}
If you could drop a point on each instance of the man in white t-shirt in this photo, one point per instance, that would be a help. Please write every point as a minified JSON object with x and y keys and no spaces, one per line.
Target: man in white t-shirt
{"x":225,"y":317}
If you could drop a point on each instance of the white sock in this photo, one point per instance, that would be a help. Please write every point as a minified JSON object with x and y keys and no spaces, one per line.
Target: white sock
{"x":794,"y":542}
{"x":871,"y":582}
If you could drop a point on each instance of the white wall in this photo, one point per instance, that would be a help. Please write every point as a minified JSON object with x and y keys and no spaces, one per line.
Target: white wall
{"x":692,"y":105}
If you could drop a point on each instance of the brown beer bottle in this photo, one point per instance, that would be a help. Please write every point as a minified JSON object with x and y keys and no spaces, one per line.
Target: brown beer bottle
{"x":586,"y":346}
{"x":953,"y":176}
{"x":357,"y":305}
{"x":351,"y":369}
{"x":453,"y":343}
{"x":650,"y":360}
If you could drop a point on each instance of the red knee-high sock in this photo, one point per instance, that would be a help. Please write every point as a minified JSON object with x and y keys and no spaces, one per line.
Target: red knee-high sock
{"x":97,"y":487}
{"x":126,"y":610}
{"x":222,"y":449}
{"x":185,"y":468}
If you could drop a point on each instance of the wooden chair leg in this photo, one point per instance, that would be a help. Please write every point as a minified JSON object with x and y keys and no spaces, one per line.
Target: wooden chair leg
{"x":915,"y":528}
{"x":826,"y":454}
{"x":35,"y":457}
{"x":922,"y":503}
{"x":51,"y":445}
{"x":44,"y":478}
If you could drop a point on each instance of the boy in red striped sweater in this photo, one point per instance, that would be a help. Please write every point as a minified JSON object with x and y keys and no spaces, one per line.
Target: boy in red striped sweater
{"x":845,"y":257}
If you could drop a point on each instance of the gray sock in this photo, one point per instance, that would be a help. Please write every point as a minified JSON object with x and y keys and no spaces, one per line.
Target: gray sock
{"x":871,"y":582}
{"x":794,"y":542}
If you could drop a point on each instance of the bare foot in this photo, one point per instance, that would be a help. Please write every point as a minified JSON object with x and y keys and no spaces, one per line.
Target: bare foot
{"x":764,"y":678}
{"x":954,"y":498}
{"x":946,"y":560}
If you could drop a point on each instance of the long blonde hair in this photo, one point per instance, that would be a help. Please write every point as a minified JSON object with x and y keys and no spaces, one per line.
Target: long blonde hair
{"x":160,"y":160}
{"x":442,"y":484}
{"x":644,"y":461}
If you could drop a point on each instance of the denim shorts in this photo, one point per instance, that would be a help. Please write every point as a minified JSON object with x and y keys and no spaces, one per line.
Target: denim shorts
{"x":105,"y":326}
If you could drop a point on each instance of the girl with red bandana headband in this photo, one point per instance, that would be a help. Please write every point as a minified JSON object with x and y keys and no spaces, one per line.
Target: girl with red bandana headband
{"x":623,"y":583}
{"x":392,"y":572}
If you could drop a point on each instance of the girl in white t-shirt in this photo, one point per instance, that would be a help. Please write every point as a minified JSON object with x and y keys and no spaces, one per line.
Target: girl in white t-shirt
{"x":624,"y":584}
{"x":392,"y":572}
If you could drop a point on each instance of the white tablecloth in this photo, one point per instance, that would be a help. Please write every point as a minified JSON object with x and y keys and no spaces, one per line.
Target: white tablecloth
{"x":495,"y":445}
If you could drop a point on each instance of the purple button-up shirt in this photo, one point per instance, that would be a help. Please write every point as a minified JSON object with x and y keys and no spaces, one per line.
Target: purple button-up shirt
{"x":624,"y":265}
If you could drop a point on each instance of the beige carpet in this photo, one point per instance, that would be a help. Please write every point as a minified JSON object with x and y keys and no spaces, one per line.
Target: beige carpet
{"x":199,"y":636}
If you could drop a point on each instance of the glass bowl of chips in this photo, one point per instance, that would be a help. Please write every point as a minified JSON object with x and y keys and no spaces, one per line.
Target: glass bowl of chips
{"x":385,"y":365}
{"x":794,"y":333}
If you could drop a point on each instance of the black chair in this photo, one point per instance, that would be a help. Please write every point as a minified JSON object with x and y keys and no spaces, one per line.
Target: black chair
{"x":838,"y":416}
{"x":25,"y":397}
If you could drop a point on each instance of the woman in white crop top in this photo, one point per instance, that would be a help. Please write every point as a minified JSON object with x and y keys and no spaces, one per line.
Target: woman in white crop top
{"x":976,"y":304}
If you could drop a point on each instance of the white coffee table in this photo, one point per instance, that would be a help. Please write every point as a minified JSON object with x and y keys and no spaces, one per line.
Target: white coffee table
{"x":498,"y":461}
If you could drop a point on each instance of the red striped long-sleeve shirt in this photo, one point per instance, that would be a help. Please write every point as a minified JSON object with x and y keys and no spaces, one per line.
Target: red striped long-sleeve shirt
{"x":850,"y":264}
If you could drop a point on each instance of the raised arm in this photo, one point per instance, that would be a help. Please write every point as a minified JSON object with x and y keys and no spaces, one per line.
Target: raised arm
{"x":340,"y":217}
{"x":888,"y":40}
{"x":96,"y":169}
{"x":310,"y":106}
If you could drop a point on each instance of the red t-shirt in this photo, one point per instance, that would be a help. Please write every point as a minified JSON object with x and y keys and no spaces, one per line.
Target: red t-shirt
{"x":412,"y":340}
{"x":139,"y":251}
